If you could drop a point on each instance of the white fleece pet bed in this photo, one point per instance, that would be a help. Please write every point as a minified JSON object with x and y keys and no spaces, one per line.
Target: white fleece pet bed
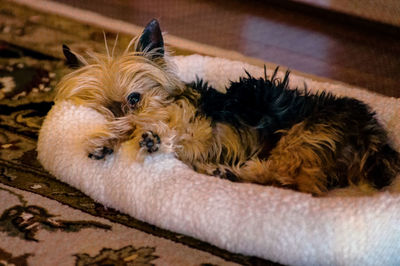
{"x":276,"y":224}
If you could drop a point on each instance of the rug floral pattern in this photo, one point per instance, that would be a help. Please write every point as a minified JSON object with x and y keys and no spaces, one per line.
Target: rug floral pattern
{"x":26,"y":86}
{"x":42,"y":220}
{"x":125,"y":256}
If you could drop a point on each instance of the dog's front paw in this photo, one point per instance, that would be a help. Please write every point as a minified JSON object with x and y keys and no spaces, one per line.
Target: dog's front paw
{"x":100,"y":153}
{"x":150,"y":141}
{"x":100,"y":144}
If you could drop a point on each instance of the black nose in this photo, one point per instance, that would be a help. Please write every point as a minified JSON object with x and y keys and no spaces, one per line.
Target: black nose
{"x":133,"y":98}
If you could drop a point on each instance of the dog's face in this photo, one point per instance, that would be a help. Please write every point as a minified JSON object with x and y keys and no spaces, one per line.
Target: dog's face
{"x":137,"y":81}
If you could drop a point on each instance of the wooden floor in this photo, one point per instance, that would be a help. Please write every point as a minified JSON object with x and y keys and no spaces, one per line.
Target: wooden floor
{"x":320,"y":43}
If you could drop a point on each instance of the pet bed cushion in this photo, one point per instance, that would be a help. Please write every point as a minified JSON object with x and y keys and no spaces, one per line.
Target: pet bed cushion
{"x":272,"y":223}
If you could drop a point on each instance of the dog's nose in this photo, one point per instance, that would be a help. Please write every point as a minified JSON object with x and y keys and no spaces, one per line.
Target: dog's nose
{"x":133,"y":98}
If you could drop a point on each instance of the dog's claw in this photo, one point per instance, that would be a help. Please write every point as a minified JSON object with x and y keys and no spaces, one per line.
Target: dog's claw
{"x":101,"y":153}
{"x":150,"y":141}
{"x":225,"y":174}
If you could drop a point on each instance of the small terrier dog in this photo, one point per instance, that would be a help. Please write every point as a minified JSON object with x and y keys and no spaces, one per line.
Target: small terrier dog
{"x":259,"y":131}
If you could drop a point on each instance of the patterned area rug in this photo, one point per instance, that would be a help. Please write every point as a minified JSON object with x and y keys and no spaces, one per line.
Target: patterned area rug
{"x":44,"y":221}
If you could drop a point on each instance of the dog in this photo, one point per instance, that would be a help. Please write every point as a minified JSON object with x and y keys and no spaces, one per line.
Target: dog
{"x":259,"y":131}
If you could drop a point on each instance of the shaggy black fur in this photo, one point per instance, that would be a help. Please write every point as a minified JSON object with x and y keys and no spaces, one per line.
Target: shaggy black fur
{"x":265,"y":104}
{"x":268,"y":105}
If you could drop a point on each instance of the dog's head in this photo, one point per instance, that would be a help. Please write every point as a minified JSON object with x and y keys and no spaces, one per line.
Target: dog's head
{"x":139,"y":79}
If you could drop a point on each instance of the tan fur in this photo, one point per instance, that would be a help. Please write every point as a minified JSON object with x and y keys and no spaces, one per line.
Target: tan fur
{"x":301,"y":159}
{"x":104,"y":84}
{"x":298,"y":161}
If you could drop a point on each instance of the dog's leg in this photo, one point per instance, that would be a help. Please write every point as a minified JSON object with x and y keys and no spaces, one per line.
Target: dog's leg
{"x":101,"y":143}
{"x":212,"y":149}
{"x":105,"y":139}
{"x":299,"y":161}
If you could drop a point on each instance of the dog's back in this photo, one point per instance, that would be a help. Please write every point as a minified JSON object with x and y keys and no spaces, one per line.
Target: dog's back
{"x":341,"y":133}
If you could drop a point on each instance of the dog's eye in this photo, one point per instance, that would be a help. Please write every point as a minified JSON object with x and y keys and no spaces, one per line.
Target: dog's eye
{"x":133,"y":98}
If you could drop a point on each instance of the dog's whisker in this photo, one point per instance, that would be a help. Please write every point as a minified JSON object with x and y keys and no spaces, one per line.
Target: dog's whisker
{"x":106,"y":44}
{"x":115,"y":44}
{"x":132,"y":46}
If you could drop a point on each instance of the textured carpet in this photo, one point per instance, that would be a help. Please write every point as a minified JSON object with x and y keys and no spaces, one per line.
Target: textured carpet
{"x":44,"y":221}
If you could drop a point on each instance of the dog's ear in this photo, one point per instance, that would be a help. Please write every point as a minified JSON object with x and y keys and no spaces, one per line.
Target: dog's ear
{"x":151,"y":39}
{"x":72,"y":59}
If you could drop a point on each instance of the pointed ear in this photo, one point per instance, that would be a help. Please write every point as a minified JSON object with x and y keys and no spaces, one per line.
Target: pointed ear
{"x":72,"y":59}
{"x":151,"y":39}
